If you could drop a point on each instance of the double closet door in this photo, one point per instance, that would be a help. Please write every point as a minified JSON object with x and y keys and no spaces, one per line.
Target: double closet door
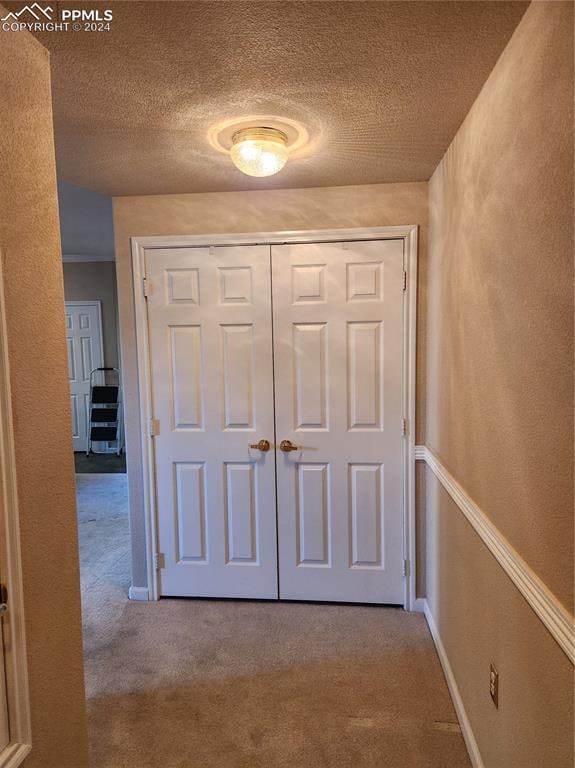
{"x":276,"y":376}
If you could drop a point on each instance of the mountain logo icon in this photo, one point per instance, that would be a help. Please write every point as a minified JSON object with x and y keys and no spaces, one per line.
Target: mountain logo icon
{"x":35,"y":10}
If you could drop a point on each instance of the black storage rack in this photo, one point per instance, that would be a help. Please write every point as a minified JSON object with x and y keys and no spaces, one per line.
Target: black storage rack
{"x":105,"y":410}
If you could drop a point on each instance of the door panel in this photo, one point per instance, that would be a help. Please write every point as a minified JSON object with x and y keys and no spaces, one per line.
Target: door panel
{"x":310,"y":375}
{"x":338,"y":338}
{"x":84,"y":341}
{"x":209,"y":319}
{"x":312,"y":514}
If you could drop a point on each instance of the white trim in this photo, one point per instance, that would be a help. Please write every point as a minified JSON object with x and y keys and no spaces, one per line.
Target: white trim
{"x":88,"y":257}
{"x":466,"y":730}
{"x":138,"y":594}
{"x":14,"y":629}
{"x":14,"y":755}
{"x":145,"y":410}
{"x":418,"y":605}
{"x":409,"y":395}
{"x":273,"y":238}
{"x":86,"y":303}
{"x":557,"y":619}
{"x":420,"y":452}
{"x":406,"y":233}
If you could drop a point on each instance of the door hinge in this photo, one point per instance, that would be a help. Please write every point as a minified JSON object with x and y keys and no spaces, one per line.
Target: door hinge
{"x":154,"y":427}
{"x":145,"y":287}
{"x":406,"y":567}
{"x":404,"y":426}
{"x":3,"y":599}
{"x":159,"y":561}
{"x":404,"y":280}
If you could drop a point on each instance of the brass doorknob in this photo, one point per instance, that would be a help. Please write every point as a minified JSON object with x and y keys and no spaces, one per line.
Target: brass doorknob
{"x":286,"y":446}
{"x":263,"y":445}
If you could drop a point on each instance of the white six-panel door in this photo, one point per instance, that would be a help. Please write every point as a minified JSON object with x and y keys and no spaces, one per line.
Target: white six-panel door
{"x":338,"y":384}
{"x":337,"y":370}
{"x":211,"y":362}
{"x":84,"y":340}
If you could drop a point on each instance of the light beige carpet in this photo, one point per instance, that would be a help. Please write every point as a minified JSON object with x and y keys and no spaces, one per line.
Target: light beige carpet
{"x":196,"y":683}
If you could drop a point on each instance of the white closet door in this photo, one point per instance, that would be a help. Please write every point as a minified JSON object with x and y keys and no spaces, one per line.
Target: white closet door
{"x":338,"y":367}
{"x":84,"y":340}
{"x":209,"y":315}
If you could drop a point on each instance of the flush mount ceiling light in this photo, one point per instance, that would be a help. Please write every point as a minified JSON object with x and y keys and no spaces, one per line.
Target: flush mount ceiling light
{"x":259,"y":151}
{"x":245,"y":138}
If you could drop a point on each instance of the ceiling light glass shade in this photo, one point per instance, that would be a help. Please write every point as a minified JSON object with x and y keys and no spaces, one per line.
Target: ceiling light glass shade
{"x":259,"y":151}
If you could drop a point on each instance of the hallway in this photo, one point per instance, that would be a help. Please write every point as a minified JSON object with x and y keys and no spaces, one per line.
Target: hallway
{"x":241,"y":684}
{"x":330,"y":246}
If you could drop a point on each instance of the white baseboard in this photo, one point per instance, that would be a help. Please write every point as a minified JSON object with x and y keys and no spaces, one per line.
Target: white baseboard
{"x":466,"y":730}
{"x":139,"y":593}
{"x":418,"y":605}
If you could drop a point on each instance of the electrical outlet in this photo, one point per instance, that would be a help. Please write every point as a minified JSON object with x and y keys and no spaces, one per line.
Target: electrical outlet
{"x":494,"y":686}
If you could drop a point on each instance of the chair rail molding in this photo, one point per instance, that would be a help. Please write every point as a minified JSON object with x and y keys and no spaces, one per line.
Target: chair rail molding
{"x":559,"y":622}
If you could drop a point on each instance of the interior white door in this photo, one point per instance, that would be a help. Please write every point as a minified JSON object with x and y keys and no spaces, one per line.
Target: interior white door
{"x":209,"y":322}
{"x":85,"y":352}
{"x":338,"y":381}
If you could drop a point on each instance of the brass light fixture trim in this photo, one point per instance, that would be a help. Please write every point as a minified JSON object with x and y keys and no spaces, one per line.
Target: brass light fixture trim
{"x":264,"y":133}
{"x":221,"y":136}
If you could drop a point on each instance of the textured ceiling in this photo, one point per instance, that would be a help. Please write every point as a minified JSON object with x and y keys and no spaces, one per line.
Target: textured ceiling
{"x":381,"y":86}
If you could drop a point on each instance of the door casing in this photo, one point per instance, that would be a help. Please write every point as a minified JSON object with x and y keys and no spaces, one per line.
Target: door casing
{"x":14,"y":631}
{"x":409,"y":236}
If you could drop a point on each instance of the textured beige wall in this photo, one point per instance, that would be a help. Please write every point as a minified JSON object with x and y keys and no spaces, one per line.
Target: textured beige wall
{"x":483,"y":619}
{"x":500,"y":389}
{"x":34,"y":299}
{"x":228,"y":212}
{"x":420,"y":532}
{"x":500,"y":298}
{"x":96,"y":281}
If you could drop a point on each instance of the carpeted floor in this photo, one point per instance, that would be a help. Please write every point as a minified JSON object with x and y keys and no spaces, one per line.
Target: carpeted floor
{"x":99,"y":462}
{"x":224,"y":684}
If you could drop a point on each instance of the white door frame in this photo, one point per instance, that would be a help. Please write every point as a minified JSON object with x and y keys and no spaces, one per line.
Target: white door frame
{"x":98,"y":305}
{"x":16,"y":664}
{"x":409,"y":236}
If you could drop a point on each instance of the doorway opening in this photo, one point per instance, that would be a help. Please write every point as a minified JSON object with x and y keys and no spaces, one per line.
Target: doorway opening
{"x":97,"y":417}
{"x":96,"y":406}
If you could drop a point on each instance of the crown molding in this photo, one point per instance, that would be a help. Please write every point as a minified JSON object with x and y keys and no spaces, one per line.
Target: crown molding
{"x":88,"y":257}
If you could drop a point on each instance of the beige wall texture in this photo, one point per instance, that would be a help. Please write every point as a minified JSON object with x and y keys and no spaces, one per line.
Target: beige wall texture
{"x":229,"y":212}
{"x":500,"y":388}
{"x":500,"y":297}
{"x":96,"y":281}
{"x":34,"y":304}
{"x":483,"y":619}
